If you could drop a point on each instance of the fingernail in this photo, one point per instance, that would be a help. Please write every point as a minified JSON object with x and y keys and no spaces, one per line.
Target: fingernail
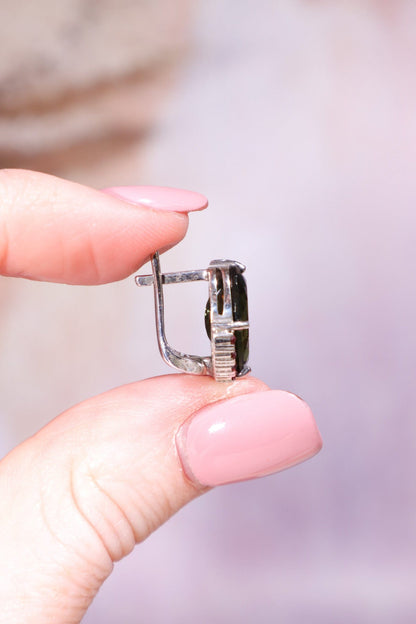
{"x":248,"y":436}
{"x":160,"y":197}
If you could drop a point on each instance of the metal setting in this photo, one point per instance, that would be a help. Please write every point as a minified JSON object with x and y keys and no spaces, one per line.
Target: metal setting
{"x":222,"y":323}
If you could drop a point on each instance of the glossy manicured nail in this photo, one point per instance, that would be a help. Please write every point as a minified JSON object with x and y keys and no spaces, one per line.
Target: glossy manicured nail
{"x":160,"y":197}
{"x":248,"y":436}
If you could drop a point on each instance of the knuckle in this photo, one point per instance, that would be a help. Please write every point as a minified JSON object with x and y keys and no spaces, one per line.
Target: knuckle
{"x":102,"y":511}
{"x":13,"y":183}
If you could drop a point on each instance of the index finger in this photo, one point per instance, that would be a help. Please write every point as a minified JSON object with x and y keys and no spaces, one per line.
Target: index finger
{"x":55,"y":230}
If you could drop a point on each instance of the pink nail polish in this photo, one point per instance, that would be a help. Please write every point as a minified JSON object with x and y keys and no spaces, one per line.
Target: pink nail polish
{"x":160,"y":197}
{"x":248,"y":436}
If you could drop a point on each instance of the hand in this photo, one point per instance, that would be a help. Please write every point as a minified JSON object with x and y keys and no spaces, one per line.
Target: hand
{"x":98,"y":479}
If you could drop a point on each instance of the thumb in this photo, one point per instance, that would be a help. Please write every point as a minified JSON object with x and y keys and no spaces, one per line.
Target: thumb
{"x":78,"y":496}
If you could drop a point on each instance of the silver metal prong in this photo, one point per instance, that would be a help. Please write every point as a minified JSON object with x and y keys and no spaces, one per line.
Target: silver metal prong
{"x":244,"y":371}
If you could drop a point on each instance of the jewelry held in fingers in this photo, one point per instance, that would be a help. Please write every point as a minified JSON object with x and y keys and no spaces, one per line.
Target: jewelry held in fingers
{"x":226,"y":319}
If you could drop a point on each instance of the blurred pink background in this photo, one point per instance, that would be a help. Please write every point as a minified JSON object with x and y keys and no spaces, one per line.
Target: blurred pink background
{"x":297,"y":120}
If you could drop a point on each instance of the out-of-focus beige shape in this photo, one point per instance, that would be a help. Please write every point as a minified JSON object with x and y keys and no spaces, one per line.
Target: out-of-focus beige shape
{"x":77,"y":72}
{"x":302,"y":112}
{"x":81,"y":82}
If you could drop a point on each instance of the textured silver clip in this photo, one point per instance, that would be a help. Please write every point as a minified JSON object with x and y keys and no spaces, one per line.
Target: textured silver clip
{"x":226,"y":319}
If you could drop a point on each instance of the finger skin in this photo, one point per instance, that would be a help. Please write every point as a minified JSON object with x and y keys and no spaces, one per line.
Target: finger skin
{"x":78,"y":496}
{"x":55,"y":230}
{"x":84,"y":490}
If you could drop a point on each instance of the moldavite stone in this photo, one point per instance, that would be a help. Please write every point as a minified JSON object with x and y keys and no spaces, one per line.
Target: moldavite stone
{"x":240,"y":313}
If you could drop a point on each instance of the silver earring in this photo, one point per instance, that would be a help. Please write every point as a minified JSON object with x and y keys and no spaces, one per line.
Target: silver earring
{"x":226,"y":319}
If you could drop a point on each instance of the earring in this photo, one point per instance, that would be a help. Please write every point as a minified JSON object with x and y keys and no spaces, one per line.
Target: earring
{"x":226,"y":319}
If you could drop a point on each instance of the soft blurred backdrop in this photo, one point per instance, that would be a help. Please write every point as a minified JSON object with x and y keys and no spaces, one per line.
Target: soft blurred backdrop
{"x":297,"y":119}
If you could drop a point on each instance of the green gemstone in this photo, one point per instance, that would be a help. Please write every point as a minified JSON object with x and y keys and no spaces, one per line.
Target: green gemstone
{"x":240,"y":313}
